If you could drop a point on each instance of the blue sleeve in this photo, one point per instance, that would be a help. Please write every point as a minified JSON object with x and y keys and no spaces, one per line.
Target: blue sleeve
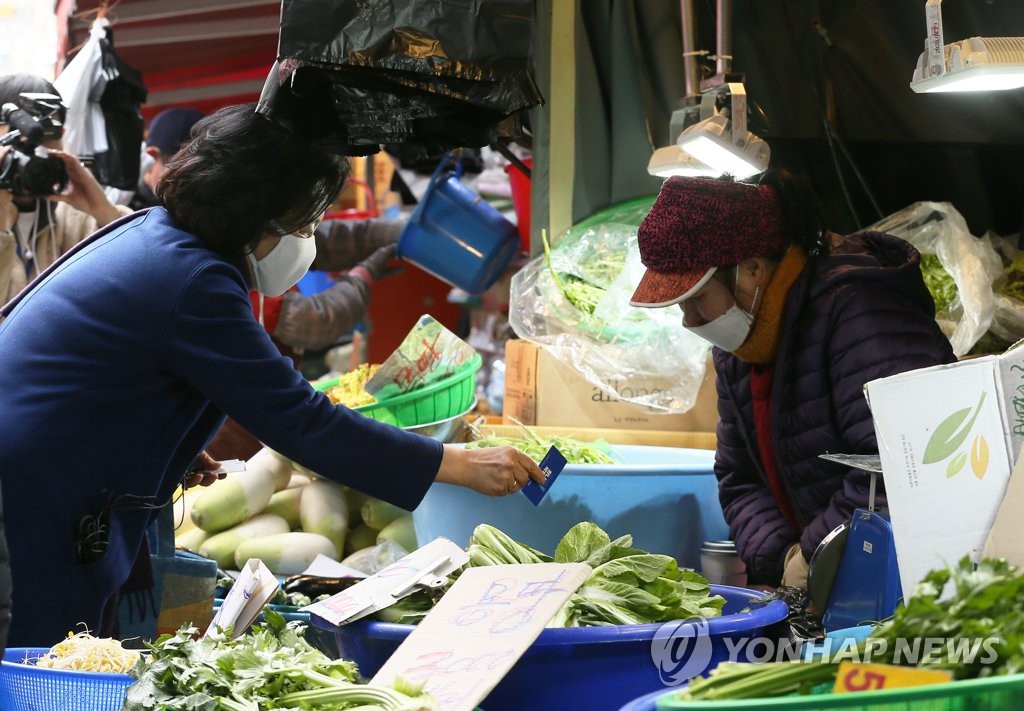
{"x":215,"y":344}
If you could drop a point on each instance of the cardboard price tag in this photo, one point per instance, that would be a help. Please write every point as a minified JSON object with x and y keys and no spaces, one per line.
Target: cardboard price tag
{"x":480,"y":628}
{"x":853,"y":676}
{"x":427,"y":566}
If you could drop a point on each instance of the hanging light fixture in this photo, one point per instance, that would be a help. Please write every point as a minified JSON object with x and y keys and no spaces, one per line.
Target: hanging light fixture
{"x":721,"y":141}
{"x":973,"y":64}
{"x":707,"y":140}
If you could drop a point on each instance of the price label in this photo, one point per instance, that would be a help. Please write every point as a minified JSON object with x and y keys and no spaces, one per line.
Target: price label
{"x":853,"y":676}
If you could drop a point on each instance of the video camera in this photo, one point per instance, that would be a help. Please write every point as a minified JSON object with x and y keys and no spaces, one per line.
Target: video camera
{"x":28,"y":169}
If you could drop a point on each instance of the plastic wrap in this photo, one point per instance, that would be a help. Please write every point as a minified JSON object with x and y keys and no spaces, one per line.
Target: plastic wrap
{"x":936,"y":228}
{"x":615,"y":346}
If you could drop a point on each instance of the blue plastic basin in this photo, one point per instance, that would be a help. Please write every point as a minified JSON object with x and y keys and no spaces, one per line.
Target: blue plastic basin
{"x":591,"y":668}
{"x":666,"y":497}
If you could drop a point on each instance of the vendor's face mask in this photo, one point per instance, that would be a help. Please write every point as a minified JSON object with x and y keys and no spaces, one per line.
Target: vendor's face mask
{"x":284,"y":265}
{"x":731,"y":329}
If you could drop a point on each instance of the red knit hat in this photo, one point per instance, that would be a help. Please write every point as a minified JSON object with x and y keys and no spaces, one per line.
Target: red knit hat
{"x":698,"y":225}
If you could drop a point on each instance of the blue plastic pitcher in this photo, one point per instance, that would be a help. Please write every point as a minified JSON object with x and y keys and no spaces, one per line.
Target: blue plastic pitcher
{"x":456,"y":235}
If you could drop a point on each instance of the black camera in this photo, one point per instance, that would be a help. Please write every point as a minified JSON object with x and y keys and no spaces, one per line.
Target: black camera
{"x":28,"y":169}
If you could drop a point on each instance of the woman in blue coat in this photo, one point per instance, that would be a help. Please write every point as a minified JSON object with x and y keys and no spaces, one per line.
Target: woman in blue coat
{"x":122,"y":360}
{"x":801,"y":319}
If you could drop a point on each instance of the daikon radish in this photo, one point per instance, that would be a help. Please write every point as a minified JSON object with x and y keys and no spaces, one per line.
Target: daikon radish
{"x":240,"y":496}
{"x":298,"y":480}
{"x":190,"y":540}
{"x":323,"y":510}
{"x":280,"y":466}
{"x":355,"y":500}
{"x":221,"y":546}
{"x":362,"y":536}
{"x":378,"y":514}
{"x":401,"y":531}
{"x":285,"y":553}
{"x":182,"y":506}
{"x":285,"y":503}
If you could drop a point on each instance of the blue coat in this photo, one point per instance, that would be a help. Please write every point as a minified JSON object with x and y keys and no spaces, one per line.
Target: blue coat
{"x":859,"y":314}
{"x":116,"y":371}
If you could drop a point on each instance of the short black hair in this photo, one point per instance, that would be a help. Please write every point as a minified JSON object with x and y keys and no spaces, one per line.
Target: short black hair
{"x":243,"y":176}
{"x":12,"y":86}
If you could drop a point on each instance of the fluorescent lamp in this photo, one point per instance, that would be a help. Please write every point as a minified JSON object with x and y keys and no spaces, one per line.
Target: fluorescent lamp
{"x":673,"y":160}
{"x":711,"y":142}
{"x":974,"y":64}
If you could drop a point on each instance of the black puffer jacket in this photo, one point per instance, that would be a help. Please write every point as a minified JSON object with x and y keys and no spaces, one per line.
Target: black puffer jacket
{"x":861,"y":313}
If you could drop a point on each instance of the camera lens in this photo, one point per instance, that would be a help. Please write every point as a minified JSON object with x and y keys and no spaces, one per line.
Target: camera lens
{"x":43,"y":176}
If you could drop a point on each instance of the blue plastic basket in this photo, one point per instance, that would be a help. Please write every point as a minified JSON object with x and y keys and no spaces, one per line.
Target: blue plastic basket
{"x":576,"y":668}
{"x":26,"y":687}
{"x":665,"y":497}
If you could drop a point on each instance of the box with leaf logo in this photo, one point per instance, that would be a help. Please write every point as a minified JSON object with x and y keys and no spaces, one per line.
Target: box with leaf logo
{"x":948,"y":437}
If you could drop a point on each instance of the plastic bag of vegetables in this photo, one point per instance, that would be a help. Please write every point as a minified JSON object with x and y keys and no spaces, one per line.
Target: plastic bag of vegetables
{"x":575,"y":300}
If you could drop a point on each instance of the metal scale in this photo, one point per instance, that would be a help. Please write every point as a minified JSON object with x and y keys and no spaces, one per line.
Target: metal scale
{"x":853,"y":575}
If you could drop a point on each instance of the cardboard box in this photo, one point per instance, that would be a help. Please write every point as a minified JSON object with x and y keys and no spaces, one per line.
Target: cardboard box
{"x":948,"y":437}
{"x":541,"y":390}
{"x":1005,"y":539}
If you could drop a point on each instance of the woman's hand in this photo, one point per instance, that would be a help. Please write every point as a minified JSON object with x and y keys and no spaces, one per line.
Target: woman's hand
{"x":495,"y":471}
{"x":84,"y":193}
{"x":201,"y":473}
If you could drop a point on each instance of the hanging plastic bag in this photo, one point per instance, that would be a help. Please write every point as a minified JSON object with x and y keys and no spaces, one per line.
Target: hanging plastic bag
{"x":422,"y":73}
{"x":958,"y":268}
{"x":81,"y":85}
{"x":578,"y":307}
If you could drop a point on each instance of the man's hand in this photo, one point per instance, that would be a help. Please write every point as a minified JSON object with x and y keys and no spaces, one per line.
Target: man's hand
{"x":84,"y":193}
{"x":5,"y":196}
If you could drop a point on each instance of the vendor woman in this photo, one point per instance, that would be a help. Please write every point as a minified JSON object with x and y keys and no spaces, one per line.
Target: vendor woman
{"x":800,"y":319}
{"x":121,"y":361}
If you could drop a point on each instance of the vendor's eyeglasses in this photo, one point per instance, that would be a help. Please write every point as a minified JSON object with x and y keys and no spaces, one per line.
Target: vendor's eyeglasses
{"x":307,"y":233}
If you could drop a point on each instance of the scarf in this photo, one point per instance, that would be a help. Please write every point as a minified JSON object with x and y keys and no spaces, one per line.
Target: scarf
{"x":763,"y":343}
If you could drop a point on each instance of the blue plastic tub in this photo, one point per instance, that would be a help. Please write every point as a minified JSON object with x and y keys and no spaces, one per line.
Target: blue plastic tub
{"x":592,"y":668}
{"x":26,"y":687}
{"x":666,"y":497}
{"x":456,"y":235}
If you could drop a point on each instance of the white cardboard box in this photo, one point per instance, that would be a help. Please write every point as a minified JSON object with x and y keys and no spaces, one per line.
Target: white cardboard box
{"x":948,"y":438}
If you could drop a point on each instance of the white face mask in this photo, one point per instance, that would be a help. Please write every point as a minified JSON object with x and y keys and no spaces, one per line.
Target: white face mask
{"x":282,"y":268}
{"x":728,"y":331}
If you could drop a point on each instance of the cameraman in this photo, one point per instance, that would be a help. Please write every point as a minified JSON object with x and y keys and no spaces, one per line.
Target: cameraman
{"x":34,"y":231}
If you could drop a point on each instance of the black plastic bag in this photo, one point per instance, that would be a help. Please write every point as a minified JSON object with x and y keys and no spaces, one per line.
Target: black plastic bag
{"x":355,"y":75}
{"x":121,"y":104}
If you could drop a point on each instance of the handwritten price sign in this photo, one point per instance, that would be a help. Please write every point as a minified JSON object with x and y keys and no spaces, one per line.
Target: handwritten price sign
{"x":480,"y":628}
{"x":870,"y":677}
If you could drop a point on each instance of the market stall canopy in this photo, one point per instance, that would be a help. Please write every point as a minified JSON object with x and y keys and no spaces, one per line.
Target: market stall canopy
{"x":200,"y":53}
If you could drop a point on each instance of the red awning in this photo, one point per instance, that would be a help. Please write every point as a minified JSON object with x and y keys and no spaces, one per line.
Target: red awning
{"x":200,"y":53}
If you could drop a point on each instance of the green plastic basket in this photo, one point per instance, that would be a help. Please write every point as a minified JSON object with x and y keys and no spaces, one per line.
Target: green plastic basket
{"x":989,"y":694}
{"x":446,"y":398}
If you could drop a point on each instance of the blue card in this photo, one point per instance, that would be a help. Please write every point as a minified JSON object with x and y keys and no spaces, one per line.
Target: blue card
{"x":552,"y":465}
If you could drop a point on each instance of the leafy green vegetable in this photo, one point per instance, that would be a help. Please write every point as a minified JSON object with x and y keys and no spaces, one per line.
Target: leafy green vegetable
{"x":628,"y":586}
{"x":984,"y":606}
{"x":272,"y":667}
{"x":938,"y":281}
{"x":536,"y":446}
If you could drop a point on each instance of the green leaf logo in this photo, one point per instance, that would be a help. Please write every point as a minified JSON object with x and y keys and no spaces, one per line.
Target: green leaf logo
{"x":956,"y":464}
{"x":950,"y":434}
